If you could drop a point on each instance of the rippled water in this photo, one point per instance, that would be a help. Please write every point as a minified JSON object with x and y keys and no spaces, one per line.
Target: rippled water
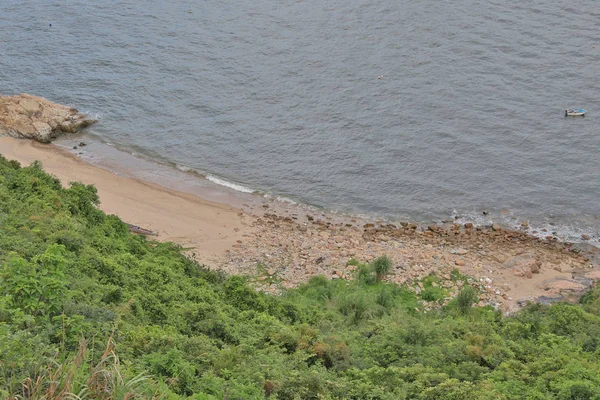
{"x":284,"y":97}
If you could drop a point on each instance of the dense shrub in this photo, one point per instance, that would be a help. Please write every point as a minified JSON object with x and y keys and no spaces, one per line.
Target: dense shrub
{"x":176,"y":329}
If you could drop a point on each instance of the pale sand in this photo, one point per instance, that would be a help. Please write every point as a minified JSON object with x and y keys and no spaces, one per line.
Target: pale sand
{"x":293,"y":248}
{"x":205,"y":228}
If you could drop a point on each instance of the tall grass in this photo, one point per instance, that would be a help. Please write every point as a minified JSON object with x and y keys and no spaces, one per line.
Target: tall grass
{"x":354,"y":305}
{"x":382,"y":266}
{"x":78,"y":378}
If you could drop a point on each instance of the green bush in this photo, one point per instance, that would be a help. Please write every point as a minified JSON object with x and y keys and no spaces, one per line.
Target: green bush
{"x":68,"y":272}
{"x":365,"y":274}
{"x":382,"y":266}
{"x":466,"y":298}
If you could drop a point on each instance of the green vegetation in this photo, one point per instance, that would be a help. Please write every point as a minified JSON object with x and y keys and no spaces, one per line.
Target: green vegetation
{"x":382,"y":266}
{"x":88,"y":310}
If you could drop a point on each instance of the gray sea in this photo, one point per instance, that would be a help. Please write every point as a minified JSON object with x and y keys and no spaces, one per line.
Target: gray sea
{"x":420,"y":110}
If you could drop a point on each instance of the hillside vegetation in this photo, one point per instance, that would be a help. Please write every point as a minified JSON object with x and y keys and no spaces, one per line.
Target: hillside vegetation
{"x":89,"y":310}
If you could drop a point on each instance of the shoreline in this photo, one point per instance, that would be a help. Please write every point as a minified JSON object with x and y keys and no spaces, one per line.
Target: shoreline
{"x":284,"y":245}
{"x":190,"y":221}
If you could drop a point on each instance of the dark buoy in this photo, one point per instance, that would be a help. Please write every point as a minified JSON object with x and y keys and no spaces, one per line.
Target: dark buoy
{"x":50,"y":24}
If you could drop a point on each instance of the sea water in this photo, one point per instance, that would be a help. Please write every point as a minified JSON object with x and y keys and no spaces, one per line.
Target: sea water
{"x":399,"y":109}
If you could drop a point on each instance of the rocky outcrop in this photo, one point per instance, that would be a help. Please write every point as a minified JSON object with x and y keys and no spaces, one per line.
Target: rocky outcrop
{"x":31,"y":117}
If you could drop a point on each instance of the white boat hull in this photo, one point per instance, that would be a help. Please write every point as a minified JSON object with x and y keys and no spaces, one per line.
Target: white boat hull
{"x":575,"y":113}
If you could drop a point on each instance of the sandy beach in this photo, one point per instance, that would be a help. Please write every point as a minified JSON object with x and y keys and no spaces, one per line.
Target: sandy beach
{"x":204,"y":227}
{"x":283,"y":246}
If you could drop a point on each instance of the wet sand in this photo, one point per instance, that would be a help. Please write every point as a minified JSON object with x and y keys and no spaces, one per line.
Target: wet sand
{"x":282,"y":245}
{"x":206,"y":228}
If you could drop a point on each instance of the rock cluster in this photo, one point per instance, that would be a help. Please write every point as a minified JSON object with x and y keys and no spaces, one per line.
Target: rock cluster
{"x":510,"y":266}
{"x":31,"y":117}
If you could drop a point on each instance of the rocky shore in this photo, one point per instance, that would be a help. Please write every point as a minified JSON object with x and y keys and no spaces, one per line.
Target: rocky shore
{"x":509,"y":267}
{"x":31,"y":117}
{"x":281,"y":247}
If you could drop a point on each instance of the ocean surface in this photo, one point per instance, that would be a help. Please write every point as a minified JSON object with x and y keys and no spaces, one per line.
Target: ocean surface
{"x":398,"y":109}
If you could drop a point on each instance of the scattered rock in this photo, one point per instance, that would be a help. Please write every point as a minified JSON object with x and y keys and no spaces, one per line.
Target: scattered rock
{"x":593,"y":275}
{"x":585,"y":237}
{"x":523,"y":261}
{"x":460,"y":252}
{"x":562,"y":286}
{"x":295,"y":251}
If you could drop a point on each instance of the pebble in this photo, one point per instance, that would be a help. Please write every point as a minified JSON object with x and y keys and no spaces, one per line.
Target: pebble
{"x":294,"y":255}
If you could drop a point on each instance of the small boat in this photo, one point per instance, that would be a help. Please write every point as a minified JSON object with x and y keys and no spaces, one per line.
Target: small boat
{"x":574,"y":112}
{"x":141,"y":231}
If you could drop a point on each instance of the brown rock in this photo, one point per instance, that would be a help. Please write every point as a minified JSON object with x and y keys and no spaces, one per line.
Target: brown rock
{"x":523,"y":261}
{"x":560,"y":286}
{"x":585,"y":237}
{"x":31,"y":117}
{"x":593,"y":275}
{"x":468,"y":225}
{"x":460,"y":262}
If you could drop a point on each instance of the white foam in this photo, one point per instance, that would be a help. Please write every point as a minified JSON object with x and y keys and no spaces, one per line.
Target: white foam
{"x":285,"y":200}
{"x":183,"y":168}
{"x":563,"y":232}
{"x":230,"y":185}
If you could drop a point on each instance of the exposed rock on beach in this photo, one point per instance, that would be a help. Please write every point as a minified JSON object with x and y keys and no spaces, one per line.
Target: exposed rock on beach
{"x":31,"y":117}
{"x":281,"y":246}
{"x":509,"y":268}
